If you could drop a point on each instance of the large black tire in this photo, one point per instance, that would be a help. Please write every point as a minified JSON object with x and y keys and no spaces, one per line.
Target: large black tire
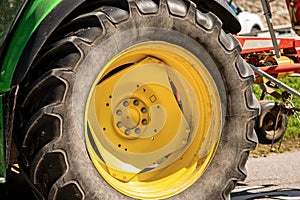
{"x":57,"y":146}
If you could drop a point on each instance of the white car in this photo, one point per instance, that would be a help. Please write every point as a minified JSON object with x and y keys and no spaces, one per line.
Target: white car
{"x":250,"y":22}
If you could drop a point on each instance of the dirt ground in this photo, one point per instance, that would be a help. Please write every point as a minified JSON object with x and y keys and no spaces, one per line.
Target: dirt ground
{"x":291,"y":143}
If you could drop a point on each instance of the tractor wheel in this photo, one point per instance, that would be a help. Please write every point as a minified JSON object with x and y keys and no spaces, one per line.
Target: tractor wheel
{"x":266,"y":123}
{"x":145,"y":100}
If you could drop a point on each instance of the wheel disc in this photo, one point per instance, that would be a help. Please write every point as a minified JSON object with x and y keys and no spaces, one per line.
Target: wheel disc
{"x":153,"y":120}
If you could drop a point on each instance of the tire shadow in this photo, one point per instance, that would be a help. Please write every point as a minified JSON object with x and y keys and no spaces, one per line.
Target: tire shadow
{"x":255,"y":192}
{"x":15,"y":188}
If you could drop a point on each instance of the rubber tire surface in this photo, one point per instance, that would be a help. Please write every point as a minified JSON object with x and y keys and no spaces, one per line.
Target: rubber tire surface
{"x":53,"y":96}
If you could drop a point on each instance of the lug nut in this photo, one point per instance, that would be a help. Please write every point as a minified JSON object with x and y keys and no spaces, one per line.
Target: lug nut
{"x":144,"y":122}
{"x":144,"y":110}
{"x":119,"y":124}
{"x":127,"y":131}
{"x":136,"y":102}
{"x":125,"y":103}
{"x":137,"y":130}
{"x":119,"y":112}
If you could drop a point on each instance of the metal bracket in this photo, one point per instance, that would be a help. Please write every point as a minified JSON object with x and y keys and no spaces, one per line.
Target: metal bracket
{"x":266,"y":89}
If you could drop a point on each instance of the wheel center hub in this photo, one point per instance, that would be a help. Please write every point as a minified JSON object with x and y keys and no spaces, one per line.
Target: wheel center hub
{"x":131,"y":118}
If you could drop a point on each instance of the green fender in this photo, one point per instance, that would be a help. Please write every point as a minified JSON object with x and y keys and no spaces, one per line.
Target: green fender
{"x":31,"y":19}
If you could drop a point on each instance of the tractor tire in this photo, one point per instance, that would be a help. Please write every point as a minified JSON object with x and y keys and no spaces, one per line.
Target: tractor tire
{"x":265,"y":126}
{"x":145,"y":100}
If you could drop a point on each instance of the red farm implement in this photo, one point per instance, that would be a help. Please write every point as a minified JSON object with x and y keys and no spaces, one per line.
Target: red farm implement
{"x":259,"y":53}
{"x":272,"y":59}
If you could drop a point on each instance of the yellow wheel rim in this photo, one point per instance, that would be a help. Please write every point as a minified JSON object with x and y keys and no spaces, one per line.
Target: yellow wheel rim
{"x":153,"y":120}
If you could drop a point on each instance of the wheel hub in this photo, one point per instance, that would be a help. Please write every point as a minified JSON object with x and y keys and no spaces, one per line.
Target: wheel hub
{"x":131,"y":118}
{"x":139,"y":113}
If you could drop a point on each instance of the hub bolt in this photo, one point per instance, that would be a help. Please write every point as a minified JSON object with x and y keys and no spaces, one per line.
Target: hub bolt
{"x":144,"y":110}
{"x":144,"y":122}
{"x":119,"y":112}
{"x":127,"y":131}
{"x":136,"y":102}
{"x":125,"y":104}
{"x":119,"y":124}
{"x":137,"y":130}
